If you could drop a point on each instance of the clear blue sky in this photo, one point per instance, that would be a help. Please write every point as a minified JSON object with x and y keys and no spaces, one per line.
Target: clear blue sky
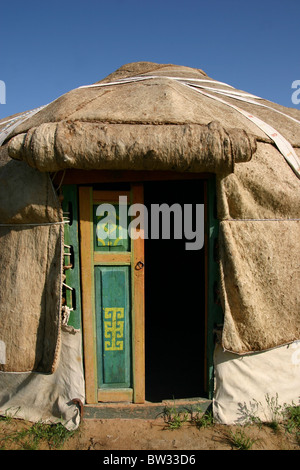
{"x":48,"y":48}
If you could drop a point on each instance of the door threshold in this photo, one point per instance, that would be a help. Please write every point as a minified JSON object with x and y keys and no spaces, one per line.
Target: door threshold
{"x":147,"y":410}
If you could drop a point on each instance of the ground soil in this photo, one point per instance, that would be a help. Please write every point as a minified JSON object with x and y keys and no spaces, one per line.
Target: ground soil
{"x":156,"y":435}
{"x":149,"y":435}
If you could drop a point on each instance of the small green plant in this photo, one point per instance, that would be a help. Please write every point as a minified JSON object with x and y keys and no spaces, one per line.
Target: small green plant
{"x":9,"y":414}
{"x":33,"y":436}
{"x":240,"y":440}
{"x":6,"y":418}
{"x":276,"y":412}
{"x":174,"y":419}
{"x":202,"y":420}
{"x":55,"y":434}
{"x":292,"y":421}
{"x":293,"y":418}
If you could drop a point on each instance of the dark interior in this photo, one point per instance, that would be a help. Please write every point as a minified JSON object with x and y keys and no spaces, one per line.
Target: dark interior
{"x":175,"y":303}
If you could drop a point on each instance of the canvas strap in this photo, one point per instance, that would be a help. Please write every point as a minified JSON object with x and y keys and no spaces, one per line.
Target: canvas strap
{"x":281,"y":142}
{"x":11,"y":124}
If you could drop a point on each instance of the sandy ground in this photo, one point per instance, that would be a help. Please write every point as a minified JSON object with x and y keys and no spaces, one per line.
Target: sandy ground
{"x":156,"y":435}
{"x":150,"y":435}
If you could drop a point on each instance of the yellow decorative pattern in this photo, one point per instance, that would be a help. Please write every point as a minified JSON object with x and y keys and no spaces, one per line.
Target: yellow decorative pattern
{"x":113,"y":329}
{"x":115,"y":232}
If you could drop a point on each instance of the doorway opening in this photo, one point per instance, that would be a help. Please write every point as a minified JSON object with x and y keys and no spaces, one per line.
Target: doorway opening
{"x":175,"y":290}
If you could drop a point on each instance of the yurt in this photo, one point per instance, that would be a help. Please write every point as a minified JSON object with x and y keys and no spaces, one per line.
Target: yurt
{"x":149,"y":249}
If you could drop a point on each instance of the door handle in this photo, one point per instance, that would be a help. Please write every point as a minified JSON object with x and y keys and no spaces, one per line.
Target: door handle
{"x":139,"y":265}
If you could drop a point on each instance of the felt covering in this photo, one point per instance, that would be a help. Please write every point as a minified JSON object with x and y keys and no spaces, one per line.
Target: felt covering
{"x":161,"y":124}
{"x":31,"y":268}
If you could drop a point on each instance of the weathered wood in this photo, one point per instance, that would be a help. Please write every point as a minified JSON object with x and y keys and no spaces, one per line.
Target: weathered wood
{"x":88,"y":322}
{"x":112,"y":258}
{"x":145,"y":411}
{"x":138,"y":260}
{"x":111,"y":369}
{"x":117,"y":395}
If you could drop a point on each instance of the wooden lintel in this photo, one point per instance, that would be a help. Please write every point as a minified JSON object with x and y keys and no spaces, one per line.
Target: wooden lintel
{"x":72,"y":176}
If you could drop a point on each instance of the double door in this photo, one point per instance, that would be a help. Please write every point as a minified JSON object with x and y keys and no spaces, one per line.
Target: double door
{"x":112,"y":277}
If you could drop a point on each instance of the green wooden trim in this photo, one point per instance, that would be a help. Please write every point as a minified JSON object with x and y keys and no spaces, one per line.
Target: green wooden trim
{"x":215,"y":312}
{"x":71,"y":238}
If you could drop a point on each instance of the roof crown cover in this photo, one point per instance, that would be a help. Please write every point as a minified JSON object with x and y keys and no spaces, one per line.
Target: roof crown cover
{"x":149,"y":116}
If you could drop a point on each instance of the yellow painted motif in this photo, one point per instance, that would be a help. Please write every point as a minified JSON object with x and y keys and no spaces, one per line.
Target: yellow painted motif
{"x":115,"y":232}
{"x":114,"y":329}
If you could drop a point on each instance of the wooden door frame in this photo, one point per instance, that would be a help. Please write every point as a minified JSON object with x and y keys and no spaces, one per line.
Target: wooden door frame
{"x":138,"y":304}
{"x":88,"y":260}
{"x":214,"y":313}
{"x":87,"y":293}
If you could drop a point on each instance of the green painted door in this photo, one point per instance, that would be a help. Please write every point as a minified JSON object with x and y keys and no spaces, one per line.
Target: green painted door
{"x":112,"y":296}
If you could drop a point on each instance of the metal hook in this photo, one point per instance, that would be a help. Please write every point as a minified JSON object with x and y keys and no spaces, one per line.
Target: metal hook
{"x":139,"y":265}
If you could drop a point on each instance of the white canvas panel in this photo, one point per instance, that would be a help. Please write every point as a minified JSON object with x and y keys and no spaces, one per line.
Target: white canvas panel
{"x":39,"y":397}
{"x":255,"y":385}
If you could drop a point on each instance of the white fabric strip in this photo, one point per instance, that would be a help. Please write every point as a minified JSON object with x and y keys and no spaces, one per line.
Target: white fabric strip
{"x":14,"y":122}
{"x":282,"y":144}
{"x":10,"y":120}
{"x":151,"y":77}
{"x":243,"y":97}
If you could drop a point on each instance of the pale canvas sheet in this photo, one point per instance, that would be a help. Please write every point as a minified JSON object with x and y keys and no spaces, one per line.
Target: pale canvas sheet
{"x":47,"y":398}
{"x":255,"y":385}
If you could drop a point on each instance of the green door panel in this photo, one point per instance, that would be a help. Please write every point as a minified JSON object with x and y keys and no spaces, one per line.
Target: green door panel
{"x":71,"y":259}
{"x":112,"y":294}
{"x":110,"y":228}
